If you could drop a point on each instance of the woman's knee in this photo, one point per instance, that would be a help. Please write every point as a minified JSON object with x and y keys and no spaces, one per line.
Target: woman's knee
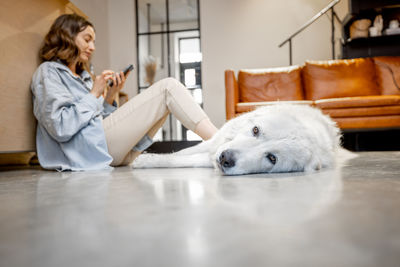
{"x":166,"y":85}
{"x":170,"y":81}
{"x":169,"y":86}
{"x":172,"y":84}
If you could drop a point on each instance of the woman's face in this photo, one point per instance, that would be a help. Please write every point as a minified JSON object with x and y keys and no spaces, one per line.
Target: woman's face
{"x":85,"y":43}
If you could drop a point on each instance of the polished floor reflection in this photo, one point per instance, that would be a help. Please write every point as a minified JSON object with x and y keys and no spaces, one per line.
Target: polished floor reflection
{"x":347,"y":216}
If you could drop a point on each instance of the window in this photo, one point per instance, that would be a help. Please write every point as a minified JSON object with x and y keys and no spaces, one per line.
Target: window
{"x":168,"y":45}
{"x":190,"y":73}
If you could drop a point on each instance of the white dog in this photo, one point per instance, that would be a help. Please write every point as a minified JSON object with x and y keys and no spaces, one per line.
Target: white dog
{"x":277,"y":138}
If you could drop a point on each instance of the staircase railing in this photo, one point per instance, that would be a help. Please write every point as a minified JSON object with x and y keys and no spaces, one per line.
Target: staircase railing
{"x":330,"y":7}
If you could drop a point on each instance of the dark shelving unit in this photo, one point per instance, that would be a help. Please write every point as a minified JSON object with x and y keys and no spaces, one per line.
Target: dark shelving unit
{"x":384,"y":45}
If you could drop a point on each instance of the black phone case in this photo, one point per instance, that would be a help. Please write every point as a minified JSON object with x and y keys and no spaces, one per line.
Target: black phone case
{"x":125,"y":71}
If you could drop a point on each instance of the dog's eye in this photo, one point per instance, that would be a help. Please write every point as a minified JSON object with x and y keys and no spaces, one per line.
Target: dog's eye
{"x":271,"y":158}
{"x":256,"y":131}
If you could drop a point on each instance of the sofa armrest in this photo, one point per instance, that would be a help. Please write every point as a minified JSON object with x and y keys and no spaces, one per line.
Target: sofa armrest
{"x":231,"y":94}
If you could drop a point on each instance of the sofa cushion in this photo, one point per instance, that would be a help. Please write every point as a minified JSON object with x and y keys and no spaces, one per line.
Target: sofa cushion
{"x":362,"y":111}
{"x":339,"y":78}
{"x":388,"y":75}
{"x":371,"y":122}
{"x":249,"y":106}
{"x":360,"y":101}
{"x":270,"y":84}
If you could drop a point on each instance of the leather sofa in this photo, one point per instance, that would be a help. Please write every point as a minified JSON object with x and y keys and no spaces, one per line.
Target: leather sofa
{"x":359,"y":94}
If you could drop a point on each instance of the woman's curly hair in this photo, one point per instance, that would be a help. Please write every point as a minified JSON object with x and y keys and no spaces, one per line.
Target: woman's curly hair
{"x":59,"y":43}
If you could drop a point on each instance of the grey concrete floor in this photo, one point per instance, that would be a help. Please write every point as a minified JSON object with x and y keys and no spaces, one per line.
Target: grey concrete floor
{"x":347,"y":216}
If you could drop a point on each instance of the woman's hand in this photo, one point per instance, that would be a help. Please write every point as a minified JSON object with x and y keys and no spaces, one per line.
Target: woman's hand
{"x":118,"y":83}
{"x":100,"y":83}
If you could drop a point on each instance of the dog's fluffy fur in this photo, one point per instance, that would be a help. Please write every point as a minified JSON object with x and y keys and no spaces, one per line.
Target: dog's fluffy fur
{"x":277,"y":138}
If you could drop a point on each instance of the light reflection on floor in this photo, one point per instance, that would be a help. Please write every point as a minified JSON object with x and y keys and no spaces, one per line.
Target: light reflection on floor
{"x":195,"y":217}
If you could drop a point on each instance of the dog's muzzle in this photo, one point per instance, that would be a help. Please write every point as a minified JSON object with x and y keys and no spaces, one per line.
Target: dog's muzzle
{"x":226,"y":159}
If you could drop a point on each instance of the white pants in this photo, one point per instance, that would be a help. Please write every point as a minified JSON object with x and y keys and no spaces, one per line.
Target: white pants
{"x":145,"y":114}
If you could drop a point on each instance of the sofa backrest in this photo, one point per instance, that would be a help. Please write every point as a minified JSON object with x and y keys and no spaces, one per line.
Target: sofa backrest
{"x":271,"y":84}
{"x":388,"y":75}
{"x":339,"y":78}
{"x":317,"y":80}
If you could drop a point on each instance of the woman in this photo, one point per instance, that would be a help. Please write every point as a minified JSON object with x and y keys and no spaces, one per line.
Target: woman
{"x":79,"y":126}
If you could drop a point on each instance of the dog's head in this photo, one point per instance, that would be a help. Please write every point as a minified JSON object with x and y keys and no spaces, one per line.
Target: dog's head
{"x":277,"y":139}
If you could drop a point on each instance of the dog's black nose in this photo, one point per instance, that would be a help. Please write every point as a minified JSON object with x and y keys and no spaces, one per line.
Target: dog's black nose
{"x":227,"y":159}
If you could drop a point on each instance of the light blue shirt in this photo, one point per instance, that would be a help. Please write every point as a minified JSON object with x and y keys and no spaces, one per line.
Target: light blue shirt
{"x":70,"y":134}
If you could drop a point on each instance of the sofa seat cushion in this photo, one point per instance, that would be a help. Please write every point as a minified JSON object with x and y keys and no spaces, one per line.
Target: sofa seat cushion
{"x":339,"y":78}
{"x":249,"y":106}
{"x":371,"y":122}
{"x":356,"y":102}
{"x":388,"y":75}
{"x":363,"y":111}
{"x":270,"y":84}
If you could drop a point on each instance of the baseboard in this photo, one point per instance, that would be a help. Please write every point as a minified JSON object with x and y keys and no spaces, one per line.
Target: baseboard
{"x":388,"y":140}
{"x":170,"y":146}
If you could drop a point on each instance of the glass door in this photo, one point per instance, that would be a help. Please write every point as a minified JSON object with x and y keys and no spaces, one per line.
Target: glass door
{"x":168,"y":45}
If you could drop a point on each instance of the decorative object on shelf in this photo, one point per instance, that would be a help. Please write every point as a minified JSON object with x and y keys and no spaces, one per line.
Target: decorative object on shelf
{"x":393,"y":28}
{"x":359,"y":28}
{"x":393,"y":24}
{"x":395,"y":31}
{"x":373,"y":31}
{"x":376,"y":30}
{"x":150,"y":65}
{"x":383,"y":41}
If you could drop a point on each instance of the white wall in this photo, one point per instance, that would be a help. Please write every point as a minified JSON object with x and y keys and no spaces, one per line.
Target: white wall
{"x":238,"y":34}
{"x":235,"y":34}
{"x":115,"y":25}
{"x":122,"y":40}
{"x":98,"y":15}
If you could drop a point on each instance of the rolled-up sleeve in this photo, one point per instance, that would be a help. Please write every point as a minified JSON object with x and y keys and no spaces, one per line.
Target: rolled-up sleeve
{"x":60,"y":113}
{"x":108,"y":109}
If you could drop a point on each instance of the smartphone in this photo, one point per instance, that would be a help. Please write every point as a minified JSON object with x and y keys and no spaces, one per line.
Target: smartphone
{"x":125,"y":71}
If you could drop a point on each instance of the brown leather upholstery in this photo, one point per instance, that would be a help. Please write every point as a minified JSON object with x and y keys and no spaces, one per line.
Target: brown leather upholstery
{"x":373,"y":122}
{"x":231,"y":93}
{"x":270,"y":84}
{"x":249,"y":106}
{"x":362,"y":112}
{"x":388,"y":75}
{"x":360,"y":101}
{"x":356,"y":93}
{"x":339,"y":78}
